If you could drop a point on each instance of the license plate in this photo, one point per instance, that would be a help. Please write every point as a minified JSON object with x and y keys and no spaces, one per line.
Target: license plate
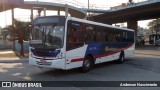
{"x":43,"y":62}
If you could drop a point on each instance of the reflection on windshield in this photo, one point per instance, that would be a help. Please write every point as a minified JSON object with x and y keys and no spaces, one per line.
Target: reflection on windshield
{"x":48,"y":36}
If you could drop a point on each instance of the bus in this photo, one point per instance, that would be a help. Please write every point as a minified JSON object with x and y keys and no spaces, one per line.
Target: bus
{"x":65,"y":43}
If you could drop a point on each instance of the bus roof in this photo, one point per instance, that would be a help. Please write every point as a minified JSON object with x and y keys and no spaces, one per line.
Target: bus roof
{"x":86,"y":21}
{"x":97,"y":23}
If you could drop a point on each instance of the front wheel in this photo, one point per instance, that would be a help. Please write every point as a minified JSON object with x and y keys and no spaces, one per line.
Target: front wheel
{"x":121,"y":58}
{"x":87,"y":64}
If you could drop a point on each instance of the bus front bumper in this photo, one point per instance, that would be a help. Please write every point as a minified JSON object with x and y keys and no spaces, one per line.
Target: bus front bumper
{"x":55,"y":63}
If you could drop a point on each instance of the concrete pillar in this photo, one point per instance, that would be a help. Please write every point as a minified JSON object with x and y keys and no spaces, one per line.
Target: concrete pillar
{"x":44,"y":11}
{"x":66,"y":10}
{"x":85,"y":15}
{"x":12,"y":11}
{"x":13,"y":47}
{"x":133,"y":25}
{"x":58,"y":12}
{"x":31,"y":14}
{"x":39,"y":12}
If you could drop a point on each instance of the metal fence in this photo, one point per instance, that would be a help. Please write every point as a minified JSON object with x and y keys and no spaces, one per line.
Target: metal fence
{"x":5,"y":44}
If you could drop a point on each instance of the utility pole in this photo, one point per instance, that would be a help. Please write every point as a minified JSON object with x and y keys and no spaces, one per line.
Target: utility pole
{"x":152,"y":28}
{"x":88,"y":11}
{"x":156,"y":28}
{"x":66,"y":10}
{"x":12,"y":11}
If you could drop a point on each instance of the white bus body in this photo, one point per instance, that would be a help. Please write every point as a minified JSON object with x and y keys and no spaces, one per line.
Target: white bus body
{"x":80,"y":43}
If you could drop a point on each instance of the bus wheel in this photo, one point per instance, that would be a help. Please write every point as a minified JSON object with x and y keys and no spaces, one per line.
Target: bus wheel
{"x":121,"y":58}
{"x":87,"y":64}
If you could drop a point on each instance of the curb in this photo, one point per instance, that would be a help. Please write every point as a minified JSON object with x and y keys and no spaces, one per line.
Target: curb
{"x":14,"y":61}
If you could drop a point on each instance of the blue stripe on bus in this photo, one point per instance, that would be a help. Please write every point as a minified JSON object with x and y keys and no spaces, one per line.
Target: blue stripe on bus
{"x":97,"y":51}
{"x":102,"y":48}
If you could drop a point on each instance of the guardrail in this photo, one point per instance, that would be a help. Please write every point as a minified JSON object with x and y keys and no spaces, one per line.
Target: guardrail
{"x":94,"y":6}
{"x":128,"y":5}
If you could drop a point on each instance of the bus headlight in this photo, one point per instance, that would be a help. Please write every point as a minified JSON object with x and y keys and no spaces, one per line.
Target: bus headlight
{"x":60,"y":55}
{"x":31,"y":54}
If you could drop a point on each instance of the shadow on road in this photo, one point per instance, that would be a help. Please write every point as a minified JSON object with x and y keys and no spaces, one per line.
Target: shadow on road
{"x":59,"y":73}
{"x":148,"y":47}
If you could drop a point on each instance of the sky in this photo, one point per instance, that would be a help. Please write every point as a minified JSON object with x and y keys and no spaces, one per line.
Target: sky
{"x":24,"y":15}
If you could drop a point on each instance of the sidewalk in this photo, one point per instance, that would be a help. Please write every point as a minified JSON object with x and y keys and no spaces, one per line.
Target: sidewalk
{"x":9,"y":56}
{"x":13,"y":60}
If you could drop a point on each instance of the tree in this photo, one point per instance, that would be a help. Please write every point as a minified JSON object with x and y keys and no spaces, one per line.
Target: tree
{"x":21,"y":33}
{"x":153,"y":23}
{"x":6,"y":31}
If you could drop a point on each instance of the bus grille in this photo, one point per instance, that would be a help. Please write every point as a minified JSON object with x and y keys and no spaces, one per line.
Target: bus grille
{"x":45,"y":53}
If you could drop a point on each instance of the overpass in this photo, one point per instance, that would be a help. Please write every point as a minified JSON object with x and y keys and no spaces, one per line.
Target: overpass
{"x":73,"y":11}
{"x":149,"y":9}
{"x":131,"y":13}
{"x":41,"y":6}
{"x":8,"y":4}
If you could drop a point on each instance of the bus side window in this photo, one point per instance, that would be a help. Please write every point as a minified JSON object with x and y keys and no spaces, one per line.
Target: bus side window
{"x":75,"y":35}
{"x":89,"y":34}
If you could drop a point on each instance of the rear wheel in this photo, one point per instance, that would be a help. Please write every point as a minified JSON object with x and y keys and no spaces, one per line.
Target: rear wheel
{"x":87,"y":64}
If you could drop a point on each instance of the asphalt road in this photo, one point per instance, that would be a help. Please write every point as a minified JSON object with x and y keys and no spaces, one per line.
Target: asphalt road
{"x":144,"y":66}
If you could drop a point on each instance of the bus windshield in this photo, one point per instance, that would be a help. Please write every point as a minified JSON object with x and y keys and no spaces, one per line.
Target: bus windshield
{"x":47,"y":36}
{"x":48,"y":32}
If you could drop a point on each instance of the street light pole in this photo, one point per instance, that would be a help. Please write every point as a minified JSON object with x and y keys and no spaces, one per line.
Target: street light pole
{"x":88,"y":4}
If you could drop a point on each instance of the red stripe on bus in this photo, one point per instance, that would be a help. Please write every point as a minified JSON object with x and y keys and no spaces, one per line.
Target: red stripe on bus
{"x":77,"y":60}
{"x":104,"y":55}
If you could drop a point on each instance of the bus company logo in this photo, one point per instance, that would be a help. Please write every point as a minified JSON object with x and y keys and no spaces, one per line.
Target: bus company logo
{"x":6,"y":84}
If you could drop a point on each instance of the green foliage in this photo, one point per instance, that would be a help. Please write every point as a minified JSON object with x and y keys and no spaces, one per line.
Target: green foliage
{"x":153,"y":23}
{"x":21,"y":30}
{"x":6,"y":31}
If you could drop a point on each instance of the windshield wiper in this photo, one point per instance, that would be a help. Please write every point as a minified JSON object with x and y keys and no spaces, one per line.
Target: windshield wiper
{"x":45,"y":35}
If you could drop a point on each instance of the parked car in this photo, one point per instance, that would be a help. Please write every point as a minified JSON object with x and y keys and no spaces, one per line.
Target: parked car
{"x":153,"y":38}
{"x":157,"y":42}
{"x":140,"y":40}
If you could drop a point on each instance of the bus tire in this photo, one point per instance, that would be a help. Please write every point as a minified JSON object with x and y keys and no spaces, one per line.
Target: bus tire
{"x":121,"y":58}
{"x":87,"y":64}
